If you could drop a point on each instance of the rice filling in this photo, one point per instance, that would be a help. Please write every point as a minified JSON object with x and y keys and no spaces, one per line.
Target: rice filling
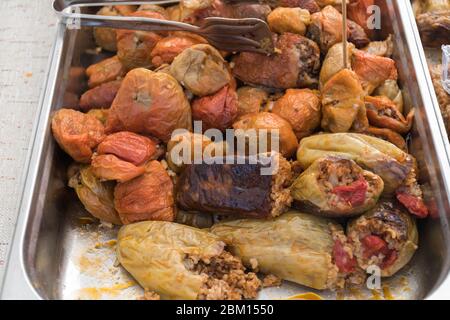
{"x":225,"y":277}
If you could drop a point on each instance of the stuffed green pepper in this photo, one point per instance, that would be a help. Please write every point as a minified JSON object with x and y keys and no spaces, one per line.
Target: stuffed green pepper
{"x":181,"y":262}
{"x":336,"y":187}
{"x":305,"y":249}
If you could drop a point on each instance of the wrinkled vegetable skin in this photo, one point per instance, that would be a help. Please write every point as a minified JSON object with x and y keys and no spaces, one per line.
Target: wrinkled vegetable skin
{"x":153,"y":253}
{"x":312,"y":196}
{"x":389,"y":215}
{"x":147,"y":197}
{"x":150,"y":103}
{"x":296,"y":64}
{"x":295,"y":246}
{"x":96,"y":196}
{"x":230,"y":189}
{"x":382,"y":158}
{"x":77,"y":133}
{"x":342,"y":103}
{"x":271,"y":121}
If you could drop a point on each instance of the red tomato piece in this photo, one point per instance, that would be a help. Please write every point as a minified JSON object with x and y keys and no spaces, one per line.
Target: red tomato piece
{"x":355,"y":193}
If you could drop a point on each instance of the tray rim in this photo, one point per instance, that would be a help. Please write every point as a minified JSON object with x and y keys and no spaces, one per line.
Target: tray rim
{"x":16,"y":281}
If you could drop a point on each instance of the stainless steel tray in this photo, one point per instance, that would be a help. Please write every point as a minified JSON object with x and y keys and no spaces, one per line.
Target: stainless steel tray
{"x":54,"y":256}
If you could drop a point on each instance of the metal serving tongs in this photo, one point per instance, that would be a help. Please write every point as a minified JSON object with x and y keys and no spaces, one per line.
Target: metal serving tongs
{"x":344,"y":33}
{"x":232,"y":35}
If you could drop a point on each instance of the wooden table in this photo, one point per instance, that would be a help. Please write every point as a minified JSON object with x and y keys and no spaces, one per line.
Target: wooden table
{"x":27,"y":31}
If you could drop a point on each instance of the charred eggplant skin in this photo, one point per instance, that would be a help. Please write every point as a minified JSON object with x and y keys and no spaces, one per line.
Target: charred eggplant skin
{"x":235,"y":189}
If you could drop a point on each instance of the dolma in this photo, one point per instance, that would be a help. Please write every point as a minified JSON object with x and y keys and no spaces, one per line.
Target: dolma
{"x":236,"y":187}
{"x":181,"y":262}
{"x":336,"y":187}
{"x":385,"y":236}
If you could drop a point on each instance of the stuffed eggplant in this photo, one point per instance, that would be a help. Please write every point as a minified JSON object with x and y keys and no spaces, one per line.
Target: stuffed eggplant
{"x":381,"y":157}
{"x":297,"y":247}
{"x":181,"y":262}
{"x":336,"y":187}
{"x":385,"y":236}
{"x":236,"y":187}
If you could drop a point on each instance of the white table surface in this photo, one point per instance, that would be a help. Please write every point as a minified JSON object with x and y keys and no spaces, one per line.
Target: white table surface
{"x":27,"y":31}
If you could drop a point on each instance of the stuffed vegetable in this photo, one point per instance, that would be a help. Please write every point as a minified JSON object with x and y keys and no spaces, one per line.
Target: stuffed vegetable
{"x":336,"y":187}
{"x":235,"y":189}
{"x":181,"y":262}
{"x":297,"y":247}
{"x":386,"y":236}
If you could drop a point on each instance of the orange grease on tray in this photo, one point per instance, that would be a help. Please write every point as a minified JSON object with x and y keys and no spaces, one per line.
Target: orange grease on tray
{"x":306,"y":296}
{"x":98,"y":293}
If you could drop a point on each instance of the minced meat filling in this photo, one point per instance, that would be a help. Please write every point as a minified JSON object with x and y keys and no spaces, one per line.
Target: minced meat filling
{"x":377,"y":243}
{"x":280,"y":193}
{"x":150,"y":295}
{"x":345,"y":183}
{"x":389,"y":112}
{"x":347,"y":271}
{"x":226,"y":278}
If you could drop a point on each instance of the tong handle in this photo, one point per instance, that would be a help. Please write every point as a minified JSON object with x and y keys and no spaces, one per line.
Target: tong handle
{"x":133,"y":23}
{"x":129,"y":23}
{"x":61,"y":5}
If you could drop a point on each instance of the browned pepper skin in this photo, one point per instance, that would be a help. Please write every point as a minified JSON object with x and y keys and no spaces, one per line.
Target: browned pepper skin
{"x":296,"y":64}
{"x":251,"y":100}
{"x":148,"y":197}
{"x":106,"y":37}
{"x":383,"y":113}
{"x":105,"y":71}
{"x":201,"y":69}
{"x":326,"y":29}
{"x":169,"y":47}
{"x":218,"y":8}
{"x":231,"y":189}
{"x":357,"y":35}
{"x":309,"y":5}
{"x":343,"y":108}
{"x":134,"y":48}
{"x":100,"y":97}
{"x":77,"y":133}
{"x":130,"y":147}
{"x":388,"y":135}
{"x":271,"y":121}
{"x":357,"y":11}
{"x":218,"y":110}
{"x":373,"y":70}
{"x":110,"y":167}
{"x":250,"y":10}
{"x":150,"y":103}
{"x":301,"y":108}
